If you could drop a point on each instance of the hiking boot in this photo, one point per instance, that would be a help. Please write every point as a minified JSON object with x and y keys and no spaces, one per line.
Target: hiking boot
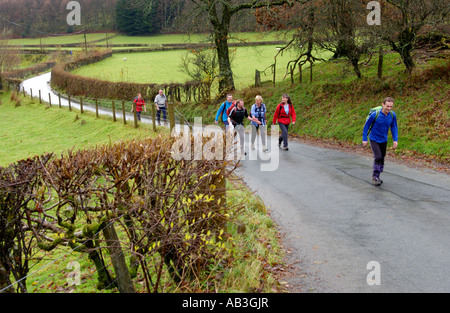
{"x":285,"y":148}
{"x":265,"y":149}
{"x":252,"y":146}
{"x":376,"y":181}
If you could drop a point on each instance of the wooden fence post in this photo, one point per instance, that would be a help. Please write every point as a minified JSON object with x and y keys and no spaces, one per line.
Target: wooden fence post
{"x":49,"y":99}
{"x":135,"y":116}
{"x":257,"y":78}
{"x":124,"y":114}
{"x":70,"y":104}
{"x":153,"y":117}
{"x":291,"y":68}
{"x":31,"y":93}
{"x":40,"y":98}
{"x":300,"y":68}
{"x":274,"y":72}
{"x":114,"y":111}
{"x":96,"y":107}
{"x":59,"y":99}
{"x":81,"y":105}
{"x":171,"y":116}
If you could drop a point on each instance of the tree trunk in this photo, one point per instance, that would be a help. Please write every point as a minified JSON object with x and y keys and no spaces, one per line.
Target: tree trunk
{"x":104,"y":278}
{"x":226,"y":80}
{"x":405,"y":47}
{"x":123,"y":279}
{"x":5,"y":282}
{"x":380,"y":62}
{"x":354,"y":61}
{"x":407,"y":59}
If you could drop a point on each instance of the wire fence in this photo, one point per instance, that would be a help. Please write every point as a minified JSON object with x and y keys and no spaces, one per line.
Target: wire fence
{"x":117,"y":109}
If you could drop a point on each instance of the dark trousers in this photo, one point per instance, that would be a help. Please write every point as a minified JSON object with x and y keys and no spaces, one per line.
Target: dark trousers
{"x":138,"y":115}
{"x":158,"y":114}
{"x":284,"y":134}
{"x":379,"y":154}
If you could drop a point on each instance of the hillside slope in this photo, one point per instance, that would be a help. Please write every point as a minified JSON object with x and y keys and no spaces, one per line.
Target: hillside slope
{"x":334,"y":106}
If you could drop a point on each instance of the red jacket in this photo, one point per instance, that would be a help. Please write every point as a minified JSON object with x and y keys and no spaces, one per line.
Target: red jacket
{"x":281,"y":115}
{"x":139,"y":104}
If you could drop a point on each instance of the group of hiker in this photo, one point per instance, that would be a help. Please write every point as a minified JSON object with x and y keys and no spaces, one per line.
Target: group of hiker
{"x":379,"y":121}
{"x":233,"y":113}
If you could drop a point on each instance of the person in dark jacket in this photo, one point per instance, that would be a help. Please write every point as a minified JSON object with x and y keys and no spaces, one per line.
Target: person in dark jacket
{"x":283,"y":114}
{"x":236,"y":118}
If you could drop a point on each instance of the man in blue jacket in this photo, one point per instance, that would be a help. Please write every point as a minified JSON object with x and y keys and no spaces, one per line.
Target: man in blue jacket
{"x":223,"y":110}
{"x":379,"y":125}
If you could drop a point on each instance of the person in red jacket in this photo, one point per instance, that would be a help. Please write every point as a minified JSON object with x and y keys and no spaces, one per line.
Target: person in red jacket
{"x":283,"y":114}
{"x":140,"y":103}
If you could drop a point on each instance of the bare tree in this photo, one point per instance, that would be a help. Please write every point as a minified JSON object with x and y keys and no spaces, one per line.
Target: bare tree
{"x":342,"y":31}
{"x":403,"y":21}
{"x":305,"y":18}
{"x":219,"y":14}
{"x":201,"y":66}
{"x":337,"y":26}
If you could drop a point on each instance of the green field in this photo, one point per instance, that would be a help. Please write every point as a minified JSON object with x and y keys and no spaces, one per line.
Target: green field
{"x":32,"y":129}
{"x":164,"y":66}
{"x":59,"y":40}
{"x":120,"y":39}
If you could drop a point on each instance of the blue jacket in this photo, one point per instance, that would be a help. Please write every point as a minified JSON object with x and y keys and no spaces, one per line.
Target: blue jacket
{"x":380,"y":128}
{"x":224,"y":111}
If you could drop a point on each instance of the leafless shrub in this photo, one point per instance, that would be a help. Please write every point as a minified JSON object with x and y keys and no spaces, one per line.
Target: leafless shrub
{"x":168,"y":212}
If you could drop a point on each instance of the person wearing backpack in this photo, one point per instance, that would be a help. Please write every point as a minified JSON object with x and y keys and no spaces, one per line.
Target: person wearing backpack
{"x":258,"y":111}
{"x":139,"y":104}
{"x":236,"y":117}
{"x":222,"y":112}
{"x":377,"y":129}
{"x":283,"y":114}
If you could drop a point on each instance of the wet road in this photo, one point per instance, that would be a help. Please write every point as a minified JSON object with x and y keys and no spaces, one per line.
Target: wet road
{"x":336,"y":223}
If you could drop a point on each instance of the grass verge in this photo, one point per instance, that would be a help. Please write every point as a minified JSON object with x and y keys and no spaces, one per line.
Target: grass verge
{"x":29,"y":129}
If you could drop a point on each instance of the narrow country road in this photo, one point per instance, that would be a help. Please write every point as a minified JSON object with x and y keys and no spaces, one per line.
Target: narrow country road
{"x":335,"y":222}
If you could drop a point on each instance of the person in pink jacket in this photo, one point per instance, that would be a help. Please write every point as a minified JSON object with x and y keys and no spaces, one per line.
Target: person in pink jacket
{"x":283,"y":114}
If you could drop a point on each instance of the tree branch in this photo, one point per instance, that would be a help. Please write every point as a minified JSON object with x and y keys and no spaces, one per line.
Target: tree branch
{"x":255,"y":4}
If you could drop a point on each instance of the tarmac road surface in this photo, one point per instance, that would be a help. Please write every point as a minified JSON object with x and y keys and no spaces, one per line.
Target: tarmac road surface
{"x":346,"y":235}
